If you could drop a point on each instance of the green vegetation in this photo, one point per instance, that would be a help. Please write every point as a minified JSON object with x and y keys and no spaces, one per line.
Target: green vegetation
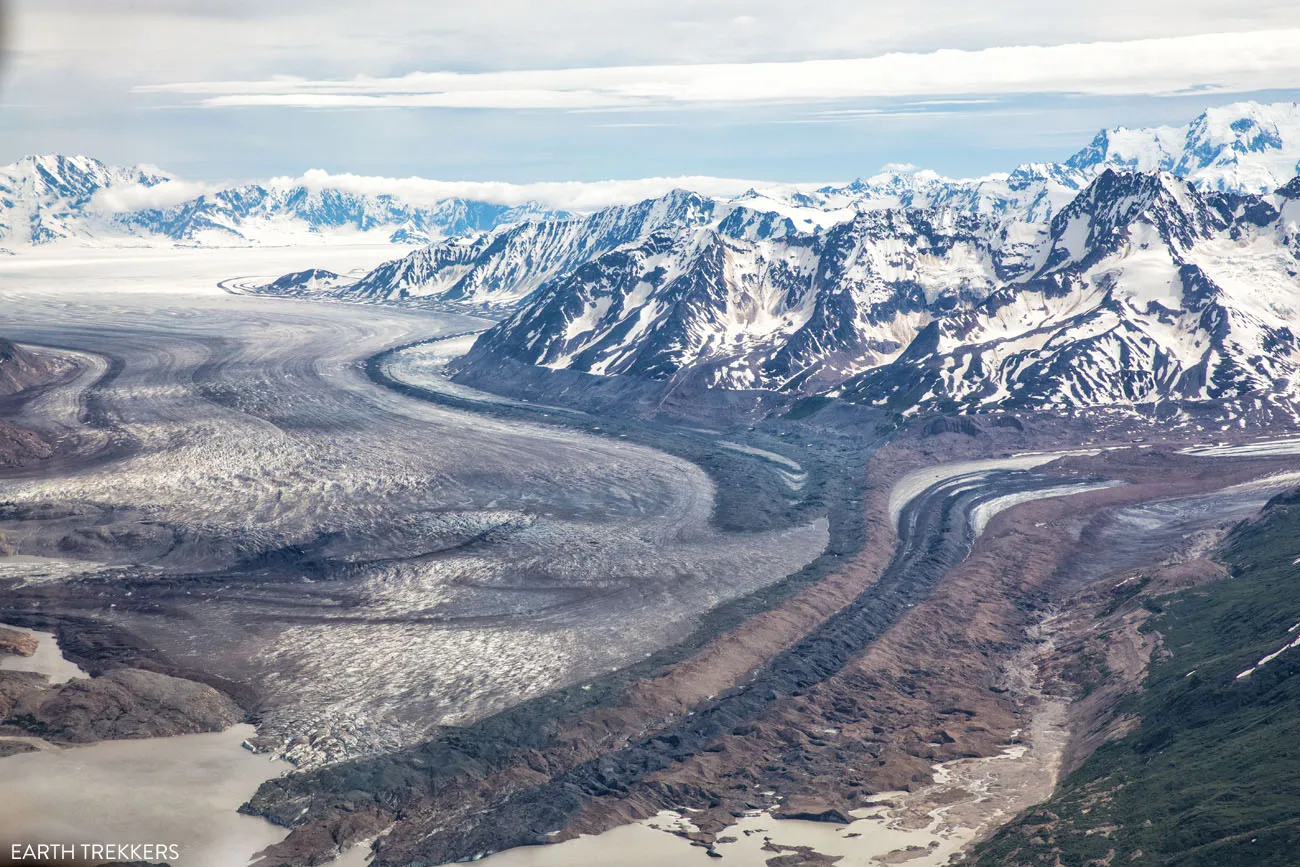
{"x":1211,"y":778}
{"x":1124,"y":593}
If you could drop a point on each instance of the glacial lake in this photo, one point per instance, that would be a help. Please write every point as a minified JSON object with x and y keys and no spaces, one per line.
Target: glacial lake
{"x":182,"y":790}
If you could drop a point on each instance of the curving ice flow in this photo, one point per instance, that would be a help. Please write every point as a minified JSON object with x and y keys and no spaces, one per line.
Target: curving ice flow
{"x":984,"y":512}
{"x":918,"y":481}
{"x":373,"y":565}
{"x":791,"y":472}
{"x":425,"y":366}
{"x":1264,"y":448}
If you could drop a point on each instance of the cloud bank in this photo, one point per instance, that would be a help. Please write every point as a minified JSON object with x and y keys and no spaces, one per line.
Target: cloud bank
{"x":562,"y":195}
{"x":579,"y":196}
{"x":1210,"y":63}
{"x":141,"y":197}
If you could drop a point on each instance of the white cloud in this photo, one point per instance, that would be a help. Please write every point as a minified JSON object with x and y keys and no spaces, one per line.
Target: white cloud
{"x":1212,"y":62}
{"x":139,"y":197}
{"x":177,"y":40}
{"x":564,"y":195}
{"x":580,"y":196}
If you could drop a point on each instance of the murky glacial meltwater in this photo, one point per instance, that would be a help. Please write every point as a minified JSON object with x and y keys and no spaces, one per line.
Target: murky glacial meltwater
{"x":47,"y":659}
{"x":183,"y":790}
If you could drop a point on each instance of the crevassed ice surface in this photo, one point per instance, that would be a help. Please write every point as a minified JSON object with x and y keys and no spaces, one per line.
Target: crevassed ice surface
{"x":461,"y":564}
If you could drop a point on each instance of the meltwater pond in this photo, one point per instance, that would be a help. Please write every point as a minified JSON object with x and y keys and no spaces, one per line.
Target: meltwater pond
{"x":183,"y":790}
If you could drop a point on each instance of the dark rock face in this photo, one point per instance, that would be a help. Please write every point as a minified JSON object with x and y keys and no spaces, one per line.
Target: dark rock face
{"x":126,"y":703}
{"x":1110,"y":206}
{"x":17,"y":688}
{"x":963,"y":426}
{"x":1290,"y":190}
{"x":812,"y":811}
{"x":21,"y":369}
{"x":303,"y":281}
{"x":20,"y":447}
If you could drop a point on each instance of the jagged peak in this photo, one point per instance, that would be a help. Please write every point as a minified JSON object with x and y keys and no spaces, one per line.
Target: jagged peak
{"x":61,"y":165}
{"x":1123,"y":196}
{"x":680,"y":195}
{"x":58,"y":161}
{"x":1240,"y":117}
{"x":1290,"y":190}
{"x":1261,"y":137}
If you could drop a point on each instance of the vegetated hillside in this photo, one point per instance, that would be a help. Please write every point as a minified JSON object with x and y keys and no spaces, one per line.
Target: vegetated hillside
{"x":1211,"y":778}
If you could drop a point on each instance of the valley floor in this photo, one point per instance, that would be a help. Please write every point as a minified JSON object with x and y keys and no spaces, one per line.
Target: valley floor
{"x":479,"y":622}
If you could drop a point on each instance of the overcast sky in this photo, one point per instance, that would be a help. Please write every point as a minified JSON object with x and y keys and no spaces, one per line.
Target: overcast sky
{"x":529,"y":90}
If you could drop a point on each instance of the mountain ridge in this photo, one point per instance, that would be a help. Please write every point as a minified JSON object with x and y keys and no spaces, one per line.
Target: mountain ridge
{"x":55,"y":198}
{"x":1144,"y":289}
{"x":1242,"y":147}
{"x":1153,"y":265}
{"x":1149,"y":290}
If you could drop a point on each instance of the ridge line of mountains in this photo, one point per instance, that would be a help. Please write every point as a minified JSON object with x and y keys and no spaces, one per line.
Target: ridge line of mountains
{"x":1154,"y":271}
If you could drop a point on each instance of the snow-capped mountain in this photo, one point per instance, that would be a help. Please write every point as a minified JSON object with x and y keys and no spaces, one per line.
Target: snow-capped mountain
{"x":752,"y":306}
{"x":45,"y":199}
{"x":1245,"y":148}
{"x":1016,"y":293}
{"x":255,"y":213}
{"x":1152,"y":265}
{"x":501,"y":267}
{"x":1144,"y":289}
{"x":49,"y":198}
{"x":1241,"y":148}
{"x":1147,"y":290}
